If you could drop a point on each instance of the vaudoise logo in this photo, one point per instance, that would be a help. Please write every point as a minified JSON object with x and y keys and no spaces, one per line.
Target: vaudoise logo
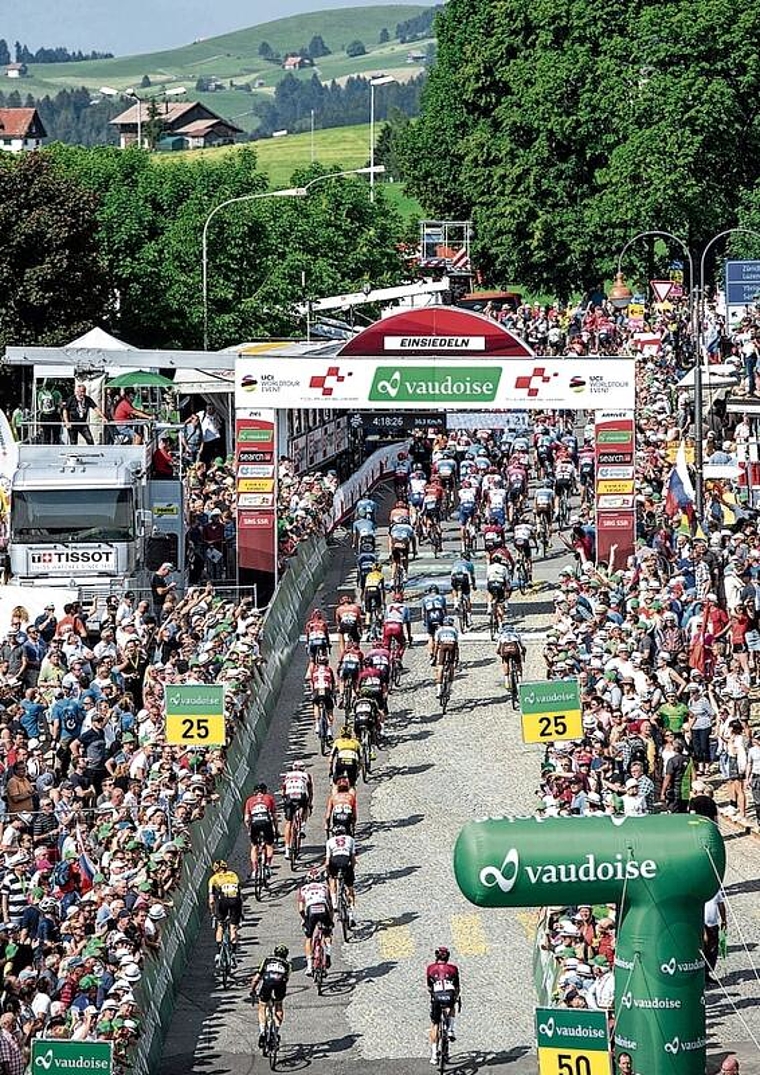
{"x":411,"y":383}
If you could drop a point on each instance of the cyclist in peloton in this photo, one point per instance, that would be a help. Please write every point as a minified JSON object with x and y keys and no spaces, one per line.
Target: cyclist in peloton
{"x":523,"y":540}
{"x":297,"y":794}
{"x":225,"y":903}
{"x":349,"y":668}
{"x":564,"y":479}
{"x":366,"y":508}
{"x":445,"y":650}
{"x":270,"y":983}
{"x":315,"y":905}
{"x":344,"y":760}
{"x":260,"y":815}
{"x":417,"y":483}
{"x":348,"y":620}
{"x":443,"y":984}
{"x":509,"y":647}
{"x":363,"y":535}
{"x":497,"y":581}
{"x":396,"y":626}
{"x":341,"y":806}
{"x":399,"y":513}
{"x":317,"y":636}
{"x":468,"y":504}
{"x":322,"y":680}
{"x":374,"y":593}
{"x":543,"y":503}
{"x":462,"y":579}
{"x":340,"y":856}
{"x":402,"y":541}
{"x":433,"y":612}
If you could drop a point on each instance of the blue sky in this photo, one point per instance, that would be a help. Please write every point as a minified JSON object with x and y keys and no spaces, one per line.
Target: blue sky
{"x":127,"y":26}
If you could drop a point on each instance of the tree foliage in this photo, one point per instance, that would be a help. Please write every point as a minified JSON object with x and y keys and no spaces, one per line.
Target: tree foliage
{"x":563,"y":128}
{"x":356,"y":48}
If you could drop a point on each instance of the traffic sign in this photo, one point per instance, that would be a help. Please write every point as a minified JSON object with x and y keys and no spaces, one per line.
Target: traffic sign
{"x":661,"y":288}
{"x":195,"y":715}
{"x":53,"y":1057}
{"x":742,"y":282}
{"x":551,"y":710}
{"x":572,"y":1041}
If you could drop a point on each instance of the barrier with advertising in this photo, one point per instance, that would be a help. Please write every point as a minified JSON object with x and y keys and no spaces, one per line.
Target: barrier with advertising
{"x":214,"y":835}
{"x":659,"y":870}
{"x":255,"y":463}
{"x":615,"y":433}
{"x":385,"y":383}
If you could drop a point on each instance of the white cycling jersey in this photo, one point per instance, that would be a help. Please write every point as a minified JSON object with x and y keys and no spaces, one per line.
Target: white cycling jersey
{"x":523,"y":532}
{"x":315,"y":894}
{"x":296,"y":784}
{"x":497,"y":573}
{"x":338,"y":846}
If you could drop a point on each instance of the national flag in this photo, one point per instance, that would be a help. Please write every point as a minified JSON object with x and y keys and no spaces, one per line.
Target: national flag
{"x":680,"y":491}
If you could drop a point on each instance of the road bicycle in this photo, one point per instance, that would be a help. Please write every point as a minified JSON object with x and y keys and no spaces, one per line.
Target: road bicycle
{"x":513,"y":680}
{"x":319,"y":957}
{"x":271,"y":1045}
{"x":469,"y":539}
{"x":521,"y":571}
{"x":563,"y":512}
{"x":496,"y":616}
{"x":464,"y":612}
{"x":296,"y":836}
{"x":348,"y":695}
{"x":375,"y":630}
{"x":323,"y":727}
{"x":436,"y":537}
{"x":399,"y":570}
{"x":260,"y":870}
{"x":447,"y":678}
{"x":442,"y":1044}
{"x":543,"y":532}
{"x":342,"y":906}
{"x":364,"y":733}
{"x":225,"y":959}
{"x":396,"y":666}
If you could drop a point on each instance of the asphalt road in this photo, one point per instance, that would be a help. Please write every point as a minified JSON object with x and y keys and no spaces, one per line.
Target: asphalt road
{"x":436,"y":773}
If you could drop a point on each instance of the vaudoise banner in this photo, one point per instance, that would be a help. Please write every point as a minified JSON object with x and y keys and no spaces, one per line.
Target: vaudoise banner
{"x":405,"y":384}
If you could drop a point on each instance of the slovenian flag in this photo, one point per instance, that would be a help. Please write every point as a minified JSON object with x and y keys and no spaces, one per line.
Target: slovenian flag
{"x":680,"y":492}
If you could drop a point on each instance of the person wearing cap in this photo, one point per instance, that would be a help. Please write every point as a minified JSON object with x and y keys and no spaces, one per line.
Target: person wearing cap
{"x":634,"y":804}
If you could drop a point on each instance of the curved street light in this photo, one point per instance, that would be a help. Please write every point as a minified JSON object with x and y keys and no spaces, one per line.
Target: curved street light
{"x":286,"y":192}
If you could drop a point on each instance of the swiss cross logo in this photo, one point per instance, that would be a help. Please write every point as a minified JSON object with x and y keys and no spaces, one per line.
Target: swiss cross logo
{"x":326,"y":382}
{"x":539,"y":376}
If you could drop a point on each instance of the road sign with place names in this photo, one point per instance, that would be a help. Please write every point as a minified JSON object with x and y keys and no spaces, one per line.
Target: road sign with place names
{"x":551,"y":710}
{"x":572,"y":1041}
{"x":742,"y":282}
{"x":662,"y":289}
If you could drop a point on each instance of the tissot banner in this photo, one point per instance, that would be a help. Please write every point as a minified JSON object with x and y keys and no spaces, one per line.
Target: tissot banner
{"x":404,"y":384}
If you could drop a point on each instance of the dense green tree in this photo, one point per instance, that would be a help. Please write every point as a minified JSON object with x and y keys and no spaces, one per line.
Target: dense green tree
{"x":355,"y":48}
{"x":5,"y":53}
{"x":317,"y":48}
{"x":564,"y":128}
{"x":384,"y":35}
{"x":53,"y":283}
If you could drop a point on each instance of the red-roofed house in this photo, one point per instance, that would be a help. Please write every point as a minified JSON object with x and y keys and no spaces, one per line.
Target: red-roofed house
{"x":20,"y":129}
{"x":189,"y":122}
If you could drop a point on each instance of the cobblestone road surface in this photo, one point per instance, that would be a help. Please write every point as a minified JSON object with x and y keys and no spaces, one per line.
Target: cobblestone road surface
{"x":437,"y":773}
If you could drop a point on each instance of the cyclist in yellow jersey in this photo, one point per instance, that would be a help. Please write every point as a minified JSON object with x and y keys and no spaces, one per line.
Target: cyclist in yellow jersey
{"x":345,"y":756}
{"x":374,"y":592}
{"x":225,"y":902}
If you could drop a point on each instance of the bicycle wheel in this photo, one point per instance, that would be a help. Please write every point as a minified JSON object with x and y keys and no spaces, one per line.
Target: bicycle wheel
{"x":514,"y":692}
{"x":492,"y":621}
{"x":343,"y":910}
{"x":366,"y":755}
{"x":348,"y":697}
{"x":445,"y":690}
{"x":462,"y":615}
{"x":323,"y":726}
{"x":443,"y":1041}
{"x":273,"y":1044}
{"x":296,"y":833}
{"x":318,"y":960}
{"x":396,"y":670}
{"x":258,"y":879}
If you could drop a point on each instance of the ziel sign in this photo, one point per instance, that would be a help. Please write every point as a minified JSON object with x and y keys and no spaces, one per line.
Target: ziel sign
{"x":659,"y":870}
{"x":51,"y":1057}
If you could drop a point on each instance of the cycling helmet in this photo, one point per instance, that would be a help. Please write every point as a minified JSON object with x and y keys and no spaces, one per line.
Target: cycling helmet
{"x":398,"y":596}
{"x":48,"y":904}
{"x":497,"y":558}
{"x":344,"y":600}
{"x":339,"y":828}
{"x":323,"y":659}
{"x":281,"y":951}
{"x":261,"y":787}
{"x":442,"y":953}
{"x":482,"y":452}
{"x":313,"y":873}
{"x":316,"y":613}
{"x":467,"y":484}
{"x":345,"y":731}
{"x":220,"y":864}
{"x":401,"y":456}
{"x":433,"y":589}
{"x":448,"y":621}
{"x":342,"y":782}
{"x":400,"y":504}
{"x":299,"y":765}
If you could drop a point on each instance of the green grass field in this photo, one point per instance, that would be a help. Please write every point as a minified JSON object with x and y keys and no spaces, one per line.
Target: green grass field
{"x":235,"y":56}
{"x":343,"y":147}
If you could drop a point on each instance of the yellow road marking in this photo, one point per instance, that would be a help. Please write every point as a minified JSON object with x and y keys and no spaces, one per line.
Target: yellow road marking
{"x":467,"y":933}
{"x":527,"y":920}
{"x":396,"y":943}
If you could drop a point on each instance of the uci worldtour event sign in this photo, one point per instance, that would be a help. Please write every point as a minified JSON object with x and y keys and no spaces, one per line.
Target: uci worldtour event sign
{"x":658,"y":870}
{"x":401,"y":383}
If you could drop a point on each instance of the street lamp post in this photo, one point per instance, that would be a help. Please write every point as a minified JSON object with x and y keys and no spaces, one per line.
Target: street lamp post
{"x":698,"y":456}
{"x":287,"y":192}
{"x":379,"y":80}
{"x":131,"y":95}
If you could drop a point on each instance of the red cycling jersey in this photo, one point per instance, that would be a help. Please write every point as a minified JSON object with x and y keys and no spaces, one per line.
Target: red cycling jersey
{"x":255,"y":803}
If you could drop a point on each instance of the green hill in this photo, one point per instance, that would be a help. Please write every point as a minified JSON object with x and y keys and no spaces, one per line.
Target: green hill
{"x":235,"y":57}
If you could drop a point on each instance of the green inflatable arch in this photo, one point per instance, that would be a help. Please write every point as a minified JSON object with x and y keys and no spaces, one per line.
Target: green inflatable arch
{"x":658,"y":870}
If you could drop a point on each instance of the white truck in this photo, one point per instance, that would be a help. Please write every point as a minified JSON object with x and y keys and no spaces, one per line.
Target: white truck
{"x":83,"y":517}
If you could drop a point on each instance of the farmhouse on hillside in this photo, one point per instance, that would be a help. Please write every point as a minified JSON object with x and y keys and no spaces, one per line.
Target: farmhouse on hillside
{"x":20,"y":130}
{"x":15,"y":70}
{"x":185,"y":125}
{"x":295,"y":63}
